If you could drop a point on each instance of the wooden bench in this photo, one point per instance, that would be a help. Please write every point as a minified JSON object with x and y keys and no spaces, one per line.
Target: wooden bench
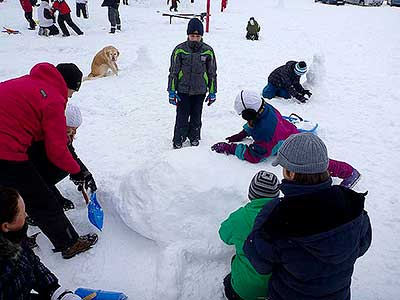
{"x":184,"y":16}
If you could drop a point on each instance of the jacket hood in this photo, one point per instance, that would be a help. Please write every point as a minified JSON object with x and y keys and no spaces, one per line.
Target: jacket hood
{"x":326,"y":223}
{"x":8,"y":250}
{"x":48,"y":73}
{"x":337,"y":245}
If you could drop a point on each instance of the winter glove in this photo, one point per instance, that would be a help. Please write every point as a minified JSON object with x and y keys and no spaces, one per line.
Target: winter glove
{"x":223,"y":147}
{"x":63,"y":294}
{"x":173,"y":98}
{"x":237,"y":137}
{"x":211,"y":98}
{"x":301,"y":98}
{"x":83,"y":179}
{"x":308,"y":93}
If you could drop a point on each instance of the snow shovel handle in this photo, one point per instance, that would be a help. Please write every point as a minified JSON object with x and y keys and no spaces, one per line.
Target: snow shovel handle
{"x":90,"y":296}
{"x":85,"y":195}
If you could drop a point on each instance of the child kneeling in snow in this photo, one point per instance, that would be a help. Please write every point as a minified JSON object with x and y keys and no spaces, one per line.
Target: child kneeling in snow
{"x":21,"y":270}
{"x":269,"y":130}
{"x":244,"y":282}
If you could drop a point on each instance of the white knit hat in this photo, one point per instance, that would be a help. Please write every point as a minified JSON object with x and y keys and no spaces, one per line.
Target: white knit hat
{"x":73,"y":116}
{"x":247,"y":99}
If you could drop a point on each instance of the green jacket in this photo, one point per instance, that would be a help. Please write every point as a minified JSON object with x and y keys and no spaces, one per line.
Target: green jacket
{"x":193,"y":69}
{"x":246,"y":282}
{"x":253,"y":29}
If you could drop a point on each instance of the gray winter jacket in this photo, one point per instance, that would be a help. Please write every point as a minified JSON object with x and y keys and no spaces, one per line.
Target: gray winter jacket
{"x":193,"y":69}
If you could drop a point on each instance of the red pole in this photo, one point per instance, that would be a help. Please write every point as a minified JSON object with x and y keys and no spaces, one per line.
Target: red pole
{"x":208,"y":16}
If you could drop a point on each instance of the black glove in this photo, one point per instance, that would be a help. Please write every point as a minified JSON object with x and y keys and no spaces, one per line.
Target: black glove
{"x":302,"y":99}
{"x":83,"y":179}
{"x":308,"y":93}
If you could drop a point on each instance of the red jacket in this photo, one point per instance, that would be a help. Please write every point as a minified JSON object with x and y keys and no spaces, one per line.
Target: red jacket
{"x":62,"y":7}
{"x":26,"y":5}
{"x":32,"y":108}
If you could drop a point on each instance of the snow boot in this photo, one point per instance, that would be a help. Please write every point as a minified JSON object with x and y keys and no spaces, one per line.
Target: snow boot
{"x":112,"y":30}
{"x":67,"y":204}
{"x":31,"y":241}
{"x":83,"y":244}
{"x":30,"y":221}
{"x":119,"y":27}
{"x":194,"y":143}
{"x":177,"y":145}
{"x":351,"y":181}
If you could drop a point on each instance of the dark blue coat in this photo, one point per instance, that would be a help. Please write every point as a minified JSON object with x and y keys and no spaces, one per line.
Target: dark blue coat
{"x":21,"y":272}
{"x":285,"y":77}
{"x":310,"y":240}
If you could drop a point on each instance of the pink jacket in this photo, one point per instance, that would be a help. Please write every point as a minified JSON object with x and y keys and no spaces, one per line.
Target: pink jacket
{"x":32,"y":108}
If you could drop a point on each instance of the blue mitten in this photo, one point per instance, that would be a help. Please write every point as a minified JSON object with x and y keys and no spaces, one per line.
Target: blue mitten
{"x":173,"y":98}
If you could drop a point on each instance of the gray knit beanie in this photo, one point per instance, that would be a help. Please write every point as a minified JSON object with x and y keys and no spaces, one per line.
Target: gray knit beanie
{"x":264,"y":185}
{"x":303,"y":153}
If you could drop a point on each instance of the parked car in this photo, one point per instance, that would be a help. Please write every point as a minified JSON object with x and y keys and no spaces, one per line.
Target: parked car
{"x":336,"y":2}
{"x":393,"y":2}
{"x":366,"y":2}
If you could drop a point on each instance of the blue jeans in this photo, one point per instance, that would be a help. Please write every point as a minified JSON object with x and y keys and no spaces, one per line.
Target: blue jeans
{"x":271,"y":91}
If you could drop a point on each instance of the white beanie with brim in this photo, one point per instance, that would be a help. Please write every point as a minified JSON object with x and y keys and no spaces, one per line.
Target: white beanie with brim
{"x":247,"y":99}
{"x":73,"y":116}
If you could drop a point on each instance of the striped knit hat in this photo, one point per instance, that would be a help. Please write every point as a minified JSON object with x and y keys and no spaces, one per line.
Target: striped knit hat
{"x":264,"y":185}
{"x":300,"y":68}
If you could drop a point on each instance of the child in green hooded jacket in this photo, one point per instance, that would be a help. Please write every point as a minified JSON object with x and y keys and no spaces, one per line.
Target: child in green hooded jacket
{"x":244,"y":282}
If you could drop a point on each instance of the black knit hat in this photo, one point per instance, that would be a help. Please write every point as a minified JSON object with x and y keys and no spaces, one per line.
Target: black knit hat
{"x":264,"y":185}
{"x":71,"y":74}
{"x":195,"y":27}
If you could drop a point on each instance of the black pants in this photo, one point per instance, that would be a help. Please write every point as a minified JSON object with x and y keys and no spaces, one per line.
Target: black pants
{"x":252,"y":36}
{"x":81,"y":7}
{"x":125,"y":2}
{"x":229,"y":291}
{"x":28,"y":17}
{"x":113,"y":17}
{"x":188,"y":117}
{"x":67,"y":18}
{"x":53,"y":29}
{"x":40,"y":202}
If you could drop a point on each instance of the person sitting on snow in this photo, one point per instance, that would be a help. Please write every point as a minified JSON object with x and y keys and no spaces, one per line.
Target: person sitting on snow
{"x":311,"y":238}
{"x":50,"y":173}
{"x":46,"y":19}
{"x":21,"y":270}
{"x":269,"y":130}
{"x":252,"y":29}
{"x":244,"y":282}
{"x":285,"y":82}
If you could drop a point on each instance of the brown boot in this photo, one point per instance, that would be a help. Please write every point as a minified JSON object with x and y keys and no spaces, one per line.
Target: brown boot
{"x":83,"y":244}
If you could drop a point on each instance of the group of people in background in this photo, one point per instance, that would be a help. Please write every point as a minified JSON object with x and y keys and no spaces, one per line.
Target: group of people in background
{"x":300,"y":246}
{"x":47,"y":19}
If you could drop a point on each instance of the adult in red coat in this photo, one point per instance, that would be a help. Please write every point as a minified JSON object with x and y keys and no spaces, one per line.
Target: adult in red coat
{"x":27,"y":7}
{"x":32,"y":109}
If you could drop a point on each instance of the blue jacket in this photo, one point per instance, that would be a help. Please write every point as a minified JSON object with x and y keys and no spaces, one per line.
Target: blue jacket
{"x":310,"y":240}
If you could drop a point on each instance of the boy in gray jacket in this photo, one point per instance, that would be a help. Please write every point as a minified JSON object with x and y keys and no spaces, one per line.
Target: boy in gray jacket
{"x":193,"y":73}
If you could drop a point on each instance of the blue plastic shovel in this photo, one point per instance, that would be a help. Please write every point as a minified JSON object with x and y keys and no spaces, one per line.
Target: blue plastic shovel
{"x":95,"y":212}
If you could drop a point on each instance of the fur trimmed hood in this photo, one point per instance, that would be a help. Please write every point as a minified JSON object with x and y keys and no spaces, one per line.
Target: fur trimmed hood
{"x":8,"y":250}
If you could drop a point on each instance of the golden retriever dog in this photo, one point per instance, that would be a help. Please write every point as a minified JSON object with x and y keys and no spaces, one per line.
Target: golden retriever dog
{"x":104,"y":60}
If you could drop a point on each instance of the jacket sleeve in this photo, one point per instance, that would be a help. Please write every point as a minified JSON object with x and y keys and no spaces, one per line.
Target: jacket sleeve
{"x":228,"y":226}
{"x":45,"y":282}
{"x":174,"y":69}
{"x":211,"y":66}
{"x":298,"y":87}
{"x":366,"y":236}
{"x":54,"y":130}
{"x":260,"y":260}
{"x":77,"y":159}
{"x":254,"y":152}
{"x":48,"y":14}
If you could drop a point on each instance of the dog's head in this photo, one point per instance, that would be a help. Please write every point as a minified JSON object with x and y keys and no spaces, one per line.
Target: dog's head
{"x":112,"y":53}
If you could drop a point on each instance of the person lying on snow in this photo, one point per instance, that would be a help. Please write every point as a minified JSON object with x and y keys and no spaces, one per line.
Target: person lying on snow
{"x":311,"y":238}
{"x":285,"y":82}
{"x":269,"y":130}
{"x":51,"y":173}
{"x":244,"y":282}
{"x":21,"y":270}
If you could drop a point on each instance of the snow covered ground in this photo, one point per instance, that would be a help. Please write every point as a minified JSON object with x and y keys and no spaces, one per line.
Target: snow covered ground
{"x":163,"y":207}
